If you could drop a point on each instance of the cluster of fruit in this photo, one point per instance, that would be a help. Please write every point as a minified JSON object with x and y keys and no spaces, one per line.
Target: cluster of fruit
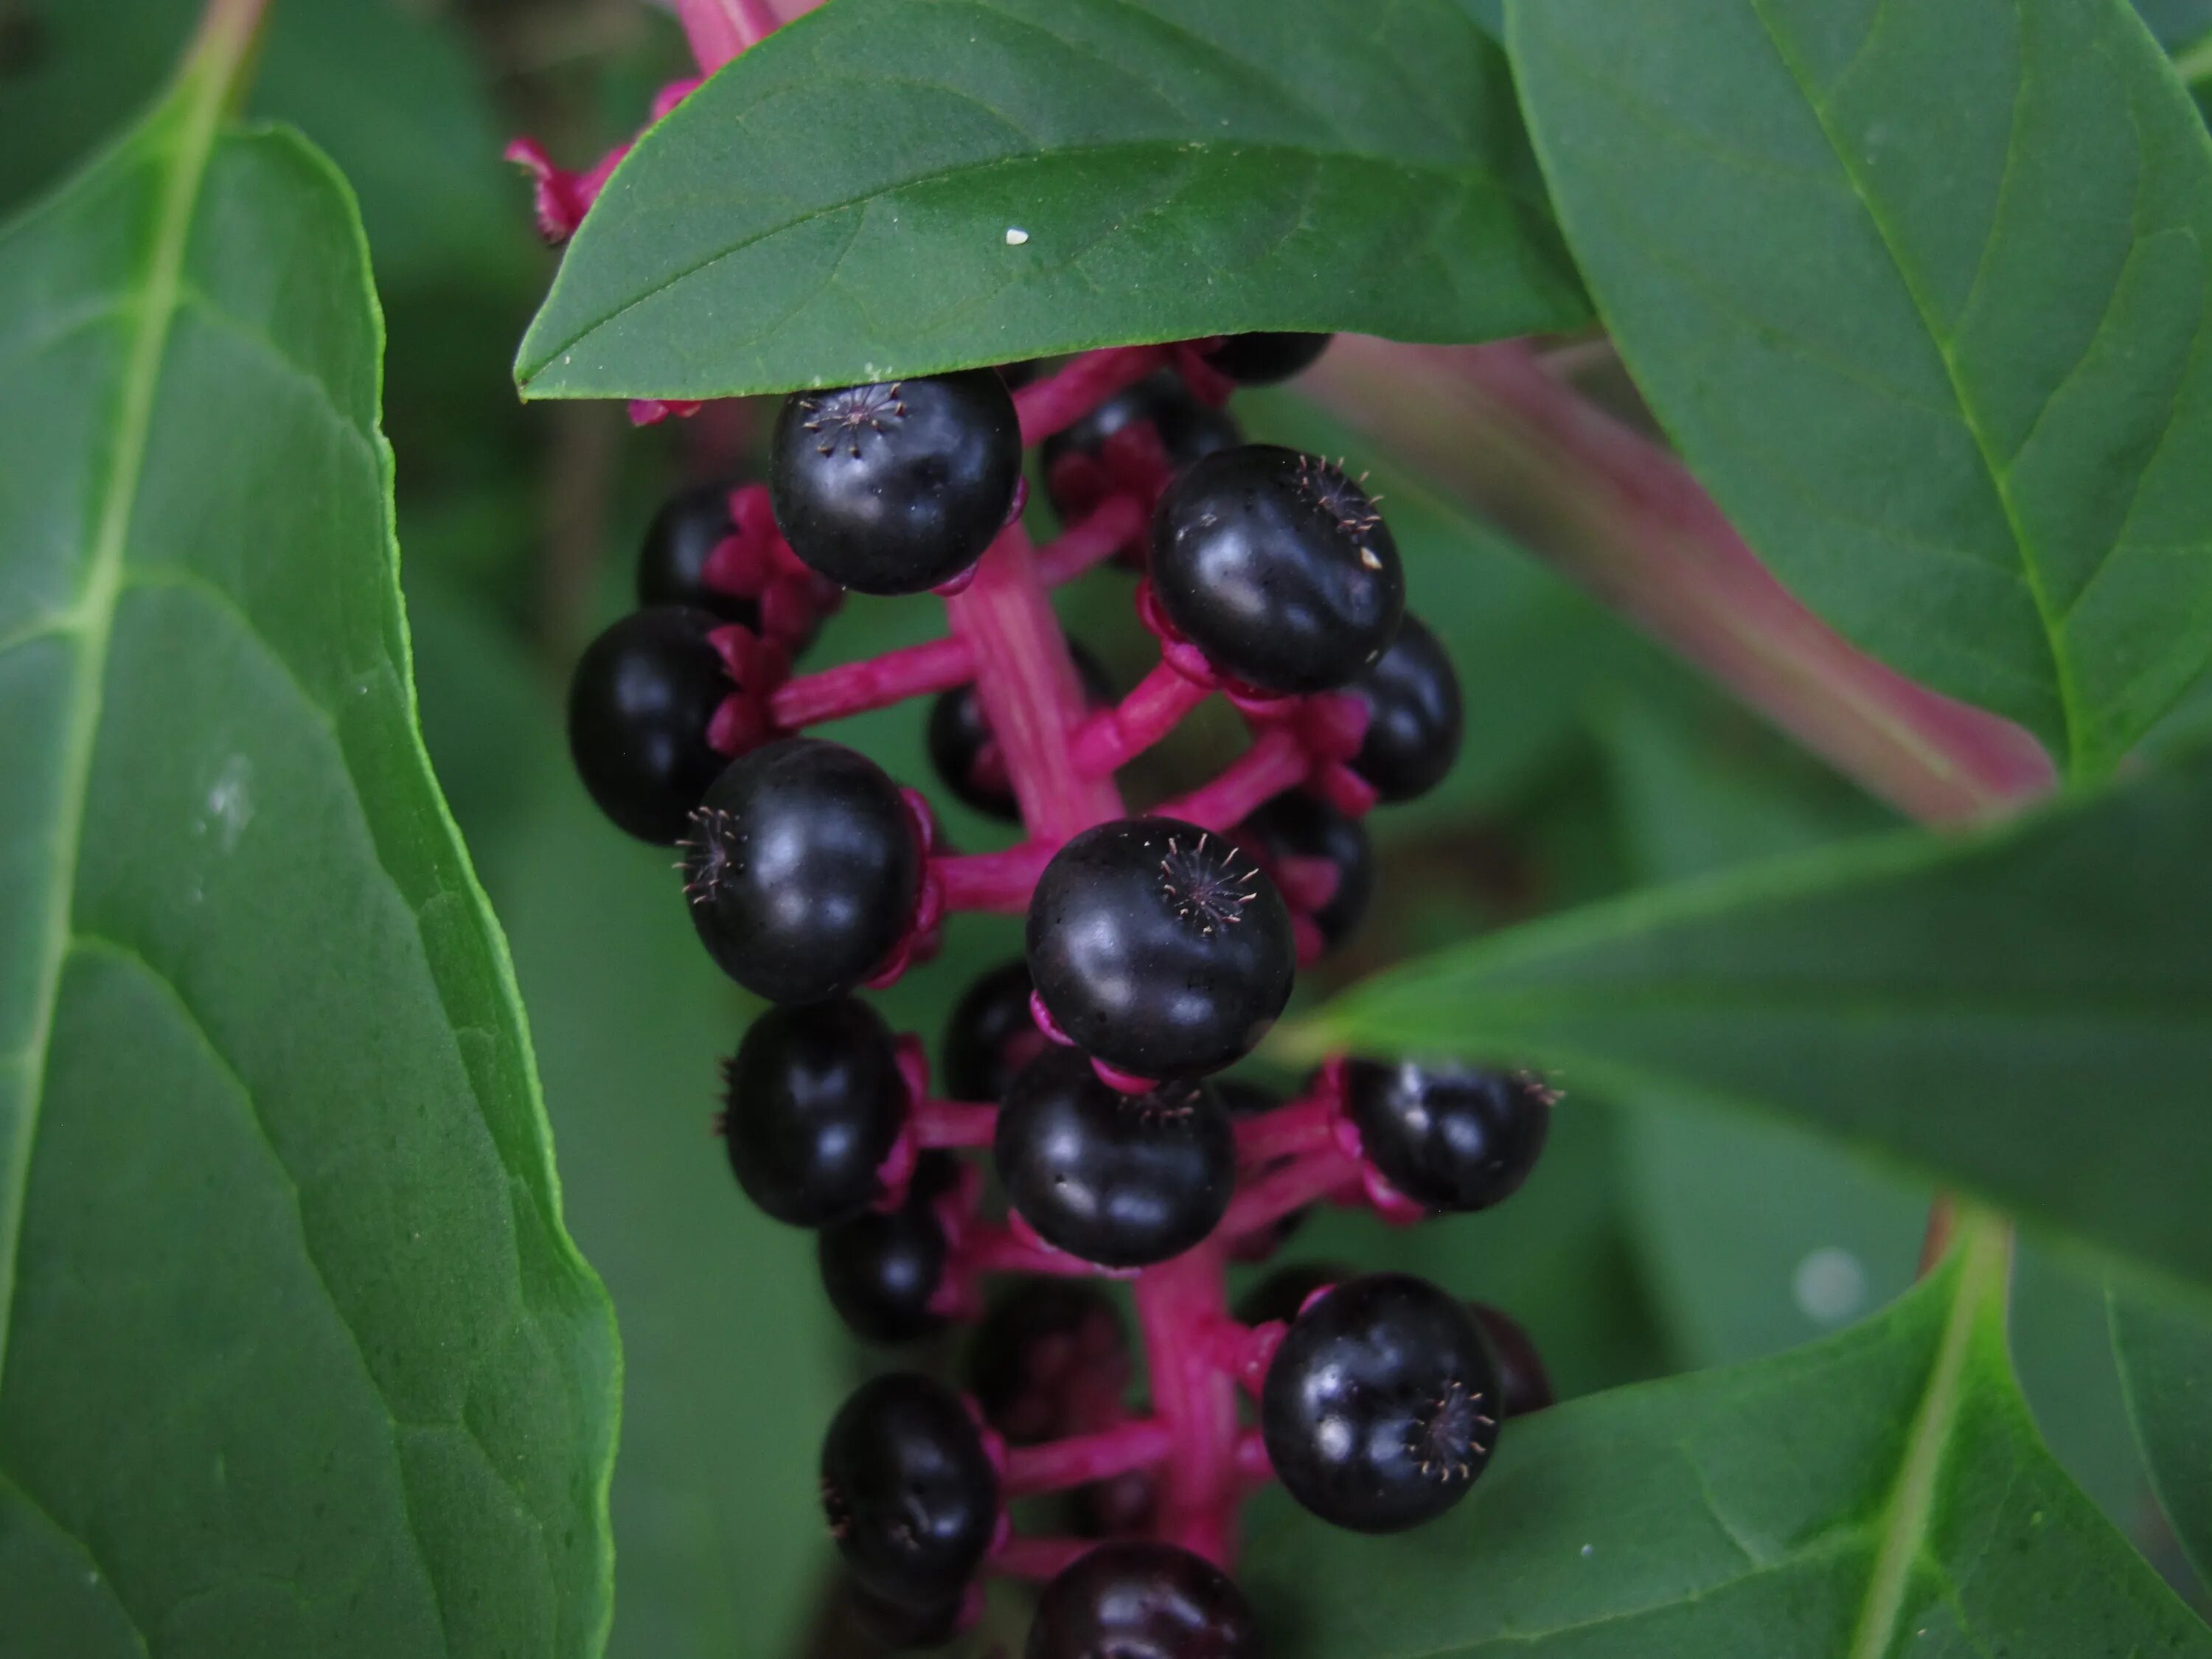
{"x":1159,"y":949}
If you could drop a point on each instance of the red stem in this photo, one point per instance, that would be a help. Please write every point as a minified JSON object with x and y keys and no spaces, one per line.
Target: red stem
{"x":1060,"y":400}
{"x":1275,"y":763}
{"x":1306,"y":1179}
{"x":1303,"y":1125}
{"x":1112,"y":526}
{"x":997,"y":882}
{"x":1177,"y":1303}
{"x":954,"y":1123}
{"x":719,"y":30}
{"x":1059,"y":1464}
{"x":854,"y":688}
{"x":1114,"y":736}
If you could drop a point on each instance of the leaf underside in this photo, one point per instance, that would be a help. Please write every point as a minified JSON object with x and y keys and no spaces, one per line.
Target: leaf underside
{"x":295,"y":1355}
{"x":836,"y":204}
{"x":1881,"y":1493}
{"x":1921,"y":291}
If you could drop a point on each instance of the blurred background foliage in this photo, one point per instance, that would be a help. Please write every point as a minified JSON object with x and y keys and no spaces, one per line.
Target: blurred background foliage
{"x":1655,"y":1238}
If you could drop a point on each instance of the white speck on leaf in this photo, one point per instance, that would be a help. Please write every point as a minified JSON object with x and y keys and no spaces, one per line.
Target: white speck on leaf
{"x":230,"y":801}
{"x":1587,"y":1548}
{"x":1829,"y":1285}
{"x":1016,"y":236}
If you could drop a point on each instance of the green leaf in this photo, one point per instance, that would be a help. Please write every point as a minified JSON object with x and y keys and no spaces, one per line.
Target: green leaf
{"x":2177,"y":24}
{"x":836,"y":204}
{"x":1955,"y":1004}
{"x":2165,"y":1353}
{"x":1881,"y":1493}
{"x":1922,"y":293}
{"x":295,"y":1355}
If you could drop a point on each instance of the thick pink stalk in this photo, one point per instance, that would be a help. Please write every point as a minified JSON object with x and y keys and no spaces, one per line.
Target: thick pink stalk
{"x":1060,"y":400}
{"x":1275,"y":763}
{"x":1059,"y":1464}
{"x":854,"y":688}
{"x":1114,"y":736}
{"x":954,"y":1123}
{"x":1621,"y":516}
{"x":1111,"y":525}
{"x":1307,"y":1179}
{"x":1000,"y":882}
{"x":1303,"y":1125}
{"x":987,"y":1249}
{"x":1177,"y":1303}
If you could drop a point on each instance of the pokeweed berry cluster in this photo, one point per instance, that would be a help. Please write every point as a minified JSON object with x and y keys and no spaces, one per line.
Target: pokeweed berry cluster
{"x":1159,"y":948}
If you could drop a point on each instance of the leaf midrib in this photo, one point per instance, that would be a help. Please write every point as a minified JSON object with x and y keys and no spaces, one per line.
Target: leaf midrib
{"x":200,"y":101}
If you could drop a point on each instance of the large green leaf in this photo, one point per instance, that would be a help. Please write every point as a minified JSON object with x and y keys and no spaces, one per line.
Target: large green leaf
{"x":2166,"y":1367}
{"x":1879,"y":1493}
{"x":295,"y":1355}
{"x":848,"y":201}
{"x":2025,"y":1013}
{"x":1921,"y":291}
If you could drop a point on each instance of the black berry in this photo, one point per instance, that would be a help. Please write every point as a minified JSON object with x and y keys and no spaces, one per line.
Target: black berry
{"x":1522,"y":1381}
{"x":896,"y":488}
{"x":640,"y":702}
{"x":909,"y":1489}
{"x":1049,"y":1359}
{"x":816,"y":1100}
{"x":1136,"y":1599}
{"x":1122,"y":1180}
{"x":1159,"y":947}
{"x":1187,"y":430}
{"x":896,"y":1626}
{"x":1298,"y":825}
{"x":1262,"y":359}
{"x":966,"y":755}
{"x":991,"y":1035}
{"x":1451,"y":1137}
{"x":802,"y":870}
{"x":1279,"y":568}
{"x":882,"y":1268}
{"x":1380,"y":1406}
{"x":672,"y":566}
{"x":1413,"y":715}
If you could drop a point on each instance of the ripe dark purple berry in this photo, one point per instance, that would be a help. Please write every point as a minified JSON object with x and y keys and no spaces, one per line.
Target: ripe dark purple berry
{"x":896,"y":488}
{"x":1381,"y":1407}
{"x":965,"y":753}
{"x":1413,"y":715}
{"x":1050,"y":1359}
{"x":1522,"y":1381}
{"x":882,"y":1268}
{"x":1159,"y":947}
{"x":1263,"y":358}
{"x":908,"y":1490}
{"x":802,"y":869}
{"x":991,"y":1035}
{"x":1137,"y":1599}
{"x":1449,"y":1136}
{"x":816,"y":1100}
{"x":1121,"y":1179}
{"x":1297,"y":825}
{"x":640,"y":702}
{"x":1187,"y":431}
{"x":1279,"y":568}
{"x":671,"y":565}
{"x":903,"y":1627}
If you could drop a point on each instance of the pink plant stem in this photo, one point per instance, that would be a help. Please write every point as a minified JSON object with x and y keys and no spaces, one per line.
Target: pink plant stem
{"x":854,"y":688}
{"x":996,"y":882}
{"x":1275,"y":763}
{"x":1178,"y":1302}
{"x":1114,"y":736}
{"x":1039,"y":1558}
{"x":1253,"y":1464}
{"x":1060,"y":400}
{"x":1303,"y":1125}
{"x":987,"y":1249}
{"x":1059,"y":1464}
{"x":719,"y":30}
{"x":1307,"y":1179}
{"x":1112,"y":524}
{"x":954,"y":1123}
{"x":1619,"y":515}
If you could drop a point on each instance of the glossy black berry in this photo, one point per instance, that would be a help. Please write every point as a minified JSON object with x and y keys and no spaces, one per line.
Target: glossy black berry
{"x":1279,"y":568}
{"x":909,"y":1489}
{"x":897,"y":1625}
{"x":1262,"y":359}
{"x":882,"y":1268}
{"x":1187,"y":431}
{"x":1413,"y":715}
{"x":1449,"y":1136}
{"x":966,"y":755}
{"x":671,"y":565}
{"x":1122,"y":1180}
{"x":1382,"y":1405}
{"x":802,"y":869}
{"x":896,"y":488}
{"x":814,"y":1102}
{"x":1298,"y":825}
{"x":991,"y":1035}
{"x":1049,"y":1359}
{"x":1138,"y":1598}
{"x":1522,"y":1381}
{"x":640,"y":702}
{"x":1159,"y":947}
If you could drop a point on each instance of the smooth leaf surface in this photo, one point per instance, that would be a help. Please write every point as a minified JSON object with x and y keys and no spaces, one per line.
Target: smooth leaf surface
{"x":1948,"y":1003}
{"x":1881,"y":1493}
{"x":889,"y":187}
{"x":1922,"y":292}
{"x":2165,"y":1368}
{"x":295,"y":1355}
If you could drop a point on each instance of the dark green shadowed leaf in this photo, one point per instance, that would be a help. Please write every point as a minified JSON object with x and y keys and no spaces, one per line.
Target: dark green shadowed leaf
{"x":1951,"y":1003}
{"x":892,"y":186}
{"x":1921,"y":291}
{"x":1879,"y":1493}
{"x":2165,"y":1368}
{"x":295,"y":1355}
